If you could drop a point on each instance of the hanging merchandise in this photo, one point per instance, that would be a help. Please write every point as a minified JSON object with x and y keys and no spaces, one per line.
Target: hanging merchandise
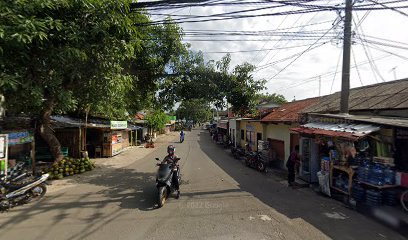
{"x":330,"y":143}
{"x":324,"y":182}
{"x":363,"y":145}
{"x":325,"y":164}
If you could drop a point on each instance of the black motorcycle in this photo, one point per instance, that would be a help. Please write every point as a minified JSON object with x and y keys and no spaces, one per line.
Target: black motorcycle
{"x":164,"y":183}
{"x":238,"y":152}
{"x":254,"y":160}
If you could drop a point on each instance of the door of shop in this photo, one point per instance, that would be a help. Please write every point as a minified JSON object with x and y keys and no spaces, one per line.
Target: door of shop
{"x":277,"y":148}
{"x":294,"y":140}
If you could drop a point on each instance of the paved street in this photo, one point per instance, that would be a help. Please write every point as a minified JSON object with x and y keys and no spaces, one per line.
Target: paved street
{"x":221,"y":199}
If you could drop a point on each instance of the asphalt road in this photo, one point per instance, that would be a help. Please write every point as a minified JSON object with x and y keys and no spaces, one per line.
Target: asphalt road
{"x":220,"y":199}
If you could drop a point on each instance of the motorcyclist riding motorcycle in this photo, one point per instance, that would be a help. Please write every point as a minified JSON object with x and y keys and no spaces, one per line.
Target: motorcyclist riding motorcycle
{"x":181,"y":136}
{"x":171,"y":159}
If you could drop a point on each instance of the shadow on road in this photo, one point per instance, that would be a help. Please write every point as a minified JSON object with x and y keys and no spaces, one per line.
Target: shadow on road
{"x":293,"y":203}
{"x":95,"y":199}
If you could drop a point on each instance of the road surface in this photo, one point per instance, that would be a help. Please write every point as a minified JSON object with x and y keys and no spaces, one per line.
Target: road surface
{"x":220,"y":199}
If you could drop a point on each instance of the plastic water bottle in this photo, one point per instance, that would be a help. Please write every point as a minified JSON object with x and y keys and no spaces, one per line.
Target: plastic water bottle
{"x":389,"y":176}
{"x":377,"y":175}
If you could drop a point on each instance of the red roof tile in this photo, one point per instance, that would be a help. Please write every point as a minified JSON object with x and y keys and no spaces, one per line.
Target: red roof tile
{"x":139,"y":116}
{"x":289,"y":112}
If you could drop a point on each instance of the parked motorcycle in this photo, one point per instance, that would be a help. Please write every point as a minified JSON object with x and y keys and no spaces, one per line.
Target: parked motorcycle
{"x":13,"y":194}
{"x":254,"y":160}
{"x":16,"y":174}
{"x":238,"y":152}
{"x":164,"y":183}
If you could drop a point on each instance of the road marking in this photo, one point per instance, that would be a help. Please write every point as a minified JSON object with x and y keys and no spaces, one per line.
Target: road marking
{"x":264,"y":217}
{"x":336,"y":215}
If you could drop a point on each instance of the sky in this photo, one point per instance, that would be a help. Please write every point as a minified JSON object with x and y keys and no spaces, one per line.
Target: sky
{"x":294,"y":67}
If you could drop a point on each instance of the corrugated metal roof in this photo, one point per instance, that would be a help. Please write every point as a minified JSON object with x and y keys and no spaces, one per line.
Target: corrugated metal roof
{"x":388,"y":95}
{"x":64,"y":121}
{"x":389,"y":121}
{"x":355,"y":129}
{"x":289,"y":112}
{"x":344,"y":130}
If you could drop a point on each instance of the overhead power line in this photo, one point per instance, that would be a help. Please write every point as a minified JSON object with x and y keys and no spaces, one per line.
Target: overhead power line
{"x":259,"y":50}
{"x":391,"y":8}
{"x":328,"y":74}
{"x":306,"y":50}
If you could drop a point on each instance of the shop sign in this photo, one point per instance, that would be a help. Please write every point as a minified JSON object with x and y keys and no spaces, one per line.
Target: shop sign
{"x":3,"y":153}
{"x":401,"y":133}
{"x":19,"y":138}
{"x":3,"y":146}
{"x":250,"y":128}
{"x":118,"y":124}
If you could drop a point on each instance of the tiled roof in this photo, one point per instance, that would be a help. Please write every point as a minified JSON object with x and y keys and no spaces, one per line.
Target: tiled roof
{"x":388,"y":95}
{"x":139,"y":116}
{"x":289,"y":112}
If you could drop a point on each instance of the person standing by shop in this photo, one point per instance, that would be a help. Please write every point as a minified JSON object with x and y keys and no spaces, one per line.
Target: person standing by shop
{"x":291,"y":164}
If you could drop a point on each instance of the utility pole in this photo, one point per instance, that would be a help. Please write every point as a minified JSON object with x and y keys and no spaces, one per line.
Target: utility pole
{"x":345,"y":78}
{"x":395,"y":74}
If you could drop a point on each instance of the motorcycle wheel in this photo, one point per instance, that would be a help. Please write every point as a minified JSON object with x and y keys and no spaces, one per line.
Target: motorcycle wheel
{"x":37,"y":192}
{"x":261,"y":166}
{"x":162,"y":196}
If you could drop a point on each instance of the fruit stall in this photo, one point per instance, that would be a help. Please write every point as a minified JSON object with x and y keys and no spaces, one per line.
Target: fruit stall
{"x":69,"y":167}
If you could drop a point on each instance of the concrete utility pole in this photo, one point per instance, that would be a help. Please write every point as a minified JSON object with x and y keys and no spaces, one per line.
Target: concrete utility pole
{"x":345,"y":78}
{"x":395,"y":74}
{"x":320,"y":84}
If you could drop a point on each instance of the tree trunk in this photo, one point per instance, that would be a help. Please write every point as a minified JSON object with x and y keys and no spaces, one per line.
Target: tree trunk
{"x":46,"y":131}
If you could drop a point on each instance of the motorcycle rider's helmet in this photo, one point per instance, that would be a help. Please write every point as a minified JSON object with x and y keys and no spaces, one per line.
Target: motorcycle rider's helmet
{"x":171,"y":149}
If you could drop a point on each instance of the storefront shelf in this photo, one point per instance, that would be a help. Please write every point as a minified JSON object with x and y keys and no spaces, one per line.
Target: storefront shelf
{"x":376,"y":186}
{"x":340,"y":190}
{"x":344,"y":169}
{"x":350,"y":172}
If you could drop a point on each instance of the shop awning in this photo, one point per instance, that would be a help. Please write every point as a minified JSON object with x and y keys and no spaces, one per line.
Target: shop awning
{"x":223,"y":124}
{"x":344,"y":130}
{"x":134,"y":127}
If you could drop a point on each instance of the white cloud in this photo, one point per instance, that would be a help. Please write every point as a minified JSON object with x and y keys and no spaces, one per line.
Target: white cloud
{"x":300,"y":79}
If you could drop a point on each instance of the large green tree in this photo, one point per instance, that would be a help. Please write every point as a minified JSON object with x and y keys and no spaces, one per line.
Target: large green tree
{"x":78,"y":55}
{"x":267,"y":98}
{"x":193,"y":78}
{"x":156,"y":120}
{"x":196,"y":110}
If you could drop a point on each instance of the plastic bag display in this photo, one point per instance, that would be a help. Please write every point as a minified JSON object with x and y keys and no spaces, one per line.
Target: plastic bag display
{"x":324,"y":182}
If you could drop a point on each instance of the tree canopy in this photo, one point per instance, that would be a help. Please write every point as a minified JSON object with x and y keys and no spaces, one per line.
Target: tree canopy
{"x":102,"y":58}
{"x":196,"y":110}
{"x":69,"y":56}
{"x":267,"y":98}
